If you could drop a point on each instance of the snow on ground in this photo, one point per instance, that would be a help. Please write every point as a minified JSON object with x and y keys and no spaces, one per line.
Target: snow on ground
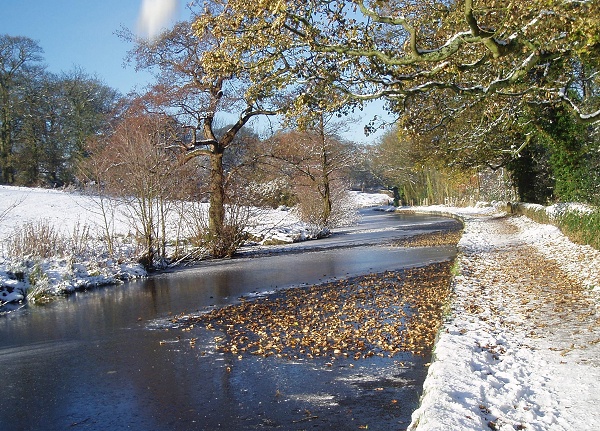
{"x":521,"y":345}
{"x":65,"y":210}
{"x":364,"y":200}
{"x":70,"y":212}
{"x":23,"y":205}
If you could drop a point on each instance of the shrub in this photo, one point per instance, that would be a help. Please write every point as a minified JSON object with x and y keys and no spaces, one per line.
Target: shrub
{"x":38,"y":284}
{"x":580,"y":224}
{"x":37,"y":240}
{"x":41,"y":240}
{"x":230,"y":238}
{"x":233,"y":232}
{"x":535,"y":212}
{"x":581,"y":228}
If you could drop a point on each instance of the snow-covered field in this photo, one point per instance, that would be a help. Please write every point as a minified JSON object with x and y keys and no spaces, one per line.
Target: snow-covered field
{"x":73,"y":214}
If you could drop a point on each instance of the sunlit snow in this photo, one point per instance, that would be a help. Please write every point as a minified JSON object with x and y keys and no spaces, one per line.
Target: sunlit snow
{"x":493,"y":368}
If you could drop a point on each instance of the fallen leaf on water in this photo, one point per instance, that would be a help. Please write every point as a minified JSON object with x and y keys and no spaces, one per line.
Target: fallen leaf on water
{"x":361,"y":317}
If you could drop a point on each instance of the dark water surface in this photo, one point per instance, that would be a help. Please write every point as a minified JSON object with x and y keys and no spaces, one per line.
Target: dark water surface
{"x":108,"y":360}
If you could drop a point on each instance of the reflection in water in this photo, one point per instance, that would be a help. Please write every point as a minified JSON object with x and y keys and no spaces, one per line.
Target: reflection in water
{"x":91,"y":362}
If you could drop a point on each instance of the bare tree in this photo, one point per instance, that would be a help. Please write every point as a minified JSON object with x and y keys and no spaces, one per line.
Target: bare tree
{"x":318,"y":161}
{"x":136,"y":167}
{"x":196,"y":99}
{"x":93,"y":173}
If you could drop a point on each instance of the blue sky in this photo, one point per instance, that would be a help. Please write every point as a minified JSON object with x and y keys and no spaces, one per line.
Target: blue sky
{"x":81,"y":34}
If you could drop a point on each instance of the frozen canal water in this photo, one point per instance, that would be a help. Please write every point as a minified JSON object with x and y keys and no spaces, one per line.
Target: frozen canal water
{"x":106,"y":359}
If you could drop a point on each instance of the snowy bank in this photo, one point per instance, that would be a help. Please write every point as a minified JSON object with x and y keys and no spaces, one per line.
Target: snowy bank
{"x":88,"y":265}
{"x":519,"y":349}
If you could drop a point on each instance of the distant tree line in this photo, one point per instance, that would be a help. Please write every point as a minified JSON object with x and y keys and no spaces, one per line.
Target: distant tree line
{"x":46,"y":119}
{"x":543,"y":154}
{"x":546,"y":156}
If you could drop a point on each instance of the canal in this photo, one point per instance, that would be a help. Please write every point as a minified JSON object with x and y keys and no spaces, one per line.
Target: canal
{"x":109,"y":359}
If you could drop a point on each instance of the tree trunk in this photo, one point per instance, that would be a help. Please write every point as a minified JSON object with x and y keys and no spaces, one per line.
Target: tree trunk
{"x":327,"y":205}
{"x":6,"y":143}
{"x":325,"y":166}
{"x":216,"y":211}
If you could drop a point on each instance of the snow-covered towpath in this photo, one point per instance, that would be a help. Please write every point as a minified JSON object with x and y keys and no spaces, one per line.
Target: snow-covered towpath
{"x":520,"y":349}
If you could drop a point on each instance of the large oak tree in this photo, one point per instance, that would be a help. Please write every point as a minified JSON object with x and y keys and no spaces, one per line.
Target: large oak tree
{"x":186,"y":90}
{"x":483,"y":61}
{"x":366,"y":49}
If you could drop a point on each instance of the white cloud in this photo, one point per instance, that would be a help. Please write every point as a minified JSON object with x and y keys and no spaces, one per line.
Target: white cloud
{"x":155,"y":16}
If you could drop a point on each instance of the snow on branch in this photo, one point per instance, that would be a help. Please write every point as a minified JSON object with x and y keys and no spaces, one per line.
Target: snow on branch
{"x":590,"y":118}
